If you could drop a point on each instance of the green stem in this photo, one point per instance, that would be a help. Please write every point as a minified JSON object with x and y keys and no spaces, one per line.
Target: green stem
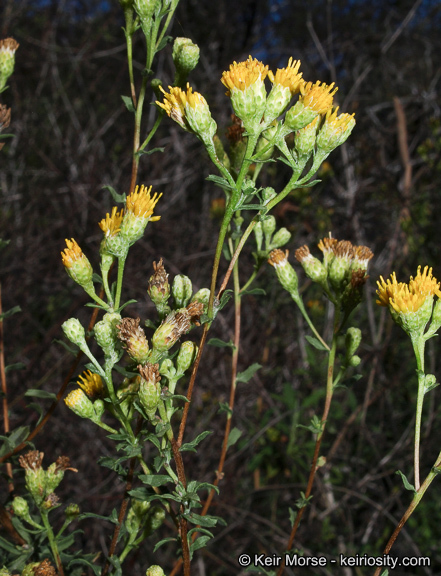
{"x":105,"y":277}
{"x":128,"y":14}
{"x":153,"y":130}
{"x":297,"y":299}
{"x":98,"y":300}
{"x":418,"y":346}
{"x":121,"y":264}
{"x":52,"y":541}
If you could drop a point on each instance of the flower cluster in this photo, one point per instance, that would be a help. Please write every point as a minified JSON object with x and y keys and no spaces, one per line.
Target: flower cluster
{"x":412,"y":305}
{"x":257,"y":110}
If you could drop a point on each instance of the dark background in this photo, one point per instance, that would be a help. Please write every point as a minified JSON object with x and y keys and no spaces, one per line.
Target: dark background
{"x":73,"y":136}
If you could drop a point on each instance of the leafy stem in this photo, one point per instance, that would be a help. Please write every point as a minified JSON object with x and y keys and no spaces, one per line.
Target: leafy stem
{"x":52,"y":540}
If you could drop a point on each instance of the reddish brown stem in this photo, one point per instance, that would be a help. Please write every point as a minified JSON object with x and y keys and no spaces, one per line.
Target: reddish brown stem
{"x":6,"y":427}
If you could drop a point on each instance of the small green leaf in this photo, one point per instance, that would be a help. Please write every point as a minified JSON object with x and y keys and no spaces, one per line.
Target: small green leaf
{"x":225,"y":407}
{"x":166,"y":40}
{"x":164,"y":541}
{"x":120,"y":198}
{"x":200,"y":542}
{"x":316,"y":343}
{"x":10,"y":312}
{"x":155,"y":479}
{"x":128,"y":102}
{"x":16,"y":366}
{"x":44,"y":394}
{"x":191,"y":446}
{"x":152,"y":151}
{"x":233,"y":437}
{"x":221,"y":344}
{"x":303,"y":501}
{"x":247,"y":374}
{"x":254,"y":292}
{"x":207,"y":521}
{"x":292,"y":516}
{"x":406,"y":482}
{"x":219,"y":181}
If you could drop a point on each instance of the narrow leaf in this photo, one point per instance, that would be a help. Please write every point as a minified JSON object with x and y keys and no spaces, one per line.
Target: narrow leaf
{"x":121,"y":198}
{"x":128,"y":102}
{"x":316,"y":343}
{"x":406,"y":482}
{"x":44,"y":394}
{"x":191,"y":446}
{"x":247,"y":374}
{"x":221,"y":344}
{"x":233,"y":437}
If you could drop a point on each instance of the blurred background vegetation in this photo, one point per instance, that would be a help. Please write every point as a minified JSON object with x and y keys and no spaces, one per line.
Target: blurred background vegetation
{"x":73,"y":135}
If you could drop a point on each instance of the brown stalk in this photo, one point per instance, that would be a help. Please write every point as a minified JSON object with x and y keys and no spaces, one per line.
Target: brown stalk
{"x":6,"y":427}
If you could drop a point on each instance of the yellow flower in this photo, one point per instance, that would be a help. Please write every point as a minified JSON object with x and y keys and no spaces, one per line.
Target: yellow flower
{"x":72,"y":253}
{"x":288,"y":77}
{"x":139,"y":209}
{"x":242,"y":75}
{"x":80,"y":404}
{"x":404,"y":298}
{"x":317,"y":97}
{"x":246,"y":89}
{"x":92,"y":384}
{"x":111,"y":224}
{"x":141,"y":204}
{"x":174,"y":105}
{"x":191,"y":111}
{"x":77,"y":265}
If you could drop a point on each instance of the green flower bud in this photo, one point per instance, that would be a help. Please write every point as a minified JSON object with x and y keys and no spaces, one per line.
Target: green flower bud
{"x":145,"y":10}
{"x":168,"y":369}
{"x":99,"y":408}
{"x":285,"y":272}
{"x":268,"y":194}
{"x":258,"y":233}
{"x":354,"y":361}
{"x":4,"y":571}
{"x":352,"y":341}
{"x":185,"y":58}
{"x":74,"y":332}
{"x":202,"y":296}
{"x":182,"y":290}
{"x":280,"y":238}
{"x":155,"y":571}
{"x":8,"y":48}
{"x":150,"y":389}
{"x":20,"y":508}
{"x":268,"y":227}
{"x":186,"y":356}
{"x":304,"y":139}
{"x":71,"y":512}
{"x":105,"y":333}
{"x":155,"y":518}
{"x":113,"y":247}
{"x":29,"y":569}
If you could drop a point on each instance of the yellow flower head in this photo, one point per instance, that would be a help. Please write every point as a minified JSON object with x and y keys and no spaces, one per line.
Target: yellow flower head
{"x":317,"y":97}
{"x":141,"y":204}
{"x":92,"y":384}
{"x":80,"y":404}
{"x":288,"y":77}
{"x":190,"y":110}
{"x":111,"y":224}
{"x":242,"y":75}
{"x":404,"y":298}
{"x":71,"y":254}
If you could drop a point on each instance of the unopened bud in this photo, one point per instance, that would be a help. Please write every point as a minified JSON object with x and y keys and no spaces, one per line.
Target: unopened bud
{"x":285,"y":272}
{"x":74,"y":332}
{"x":155,"y":571}
{"x":312,"y":266}
{"x":186,"y":356}
{"x":182,"y":290}
{"x":185,"y":58}
{"x":150,"y":388}
{"x":280,"y":238}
